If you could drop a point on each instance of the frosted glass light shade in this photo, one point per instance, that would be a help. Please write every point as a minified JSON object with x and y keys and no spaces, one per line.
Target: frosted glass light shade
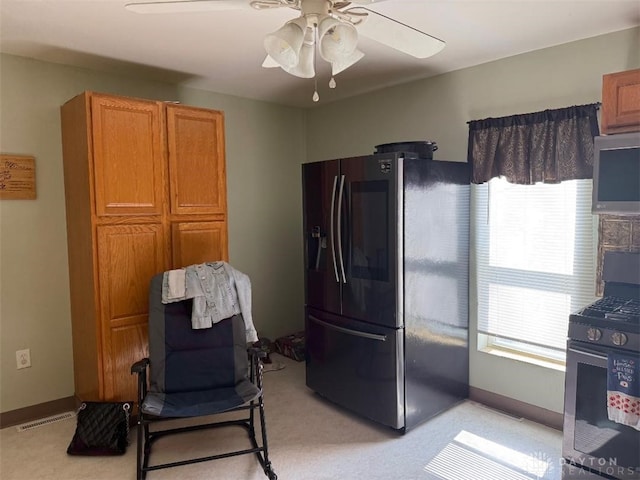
{"x":304,"y":68}
{"x":337,"y":39}
{"x":284,"y":44}
{"x":343,"y":63}
{"x":270,"y":63}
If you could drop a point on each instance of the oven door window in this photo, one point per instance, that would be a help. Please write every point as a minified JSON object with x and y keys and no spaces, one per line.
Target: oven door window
{"x":595,"y":434}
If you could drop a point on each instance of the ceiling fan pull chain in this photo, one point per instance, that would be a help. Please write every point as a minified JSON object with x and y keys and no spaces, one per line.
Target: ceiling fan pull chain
{"x":332,"y":82}
{"x":315,"y":97}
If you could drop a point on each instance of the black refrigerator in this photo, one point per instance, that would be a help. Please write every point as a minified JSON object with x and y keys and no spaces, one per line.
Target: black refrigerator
{"x":386,"y":285}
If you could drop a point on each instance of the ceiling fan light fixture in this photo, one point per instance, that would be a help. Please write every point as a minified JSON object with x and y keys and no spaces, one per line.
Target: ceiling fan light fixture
{"x":343,"y":63}
{"x":305,"y":67}
{"x":270,"y":63}
{"x":284,"y":44}
{"x":337,"y":39}
{"x":331,"y":26}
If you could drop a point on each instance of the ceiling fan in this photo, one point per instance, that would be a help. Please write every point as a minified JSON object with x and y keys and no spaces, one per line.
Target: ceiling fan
{"x":330,"y":27}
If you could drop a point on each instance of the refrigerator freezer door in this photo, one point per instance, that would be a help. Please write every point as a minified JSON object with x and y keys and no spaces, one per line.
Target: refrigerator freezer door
{"x":356,"y":365}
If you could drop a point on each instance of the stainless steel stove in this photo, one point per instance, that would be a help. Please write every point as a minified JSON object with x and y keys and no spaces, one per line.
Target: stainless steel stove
{"x":594,"y":446}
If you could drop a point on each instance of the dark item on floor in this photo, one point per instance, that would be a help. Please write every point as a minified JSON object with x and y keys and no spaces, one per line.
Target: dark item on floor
{"x":292,"y":346}
{"x":266,"y":346}
{"x":197,"y":373}
{"x":102,"y":429}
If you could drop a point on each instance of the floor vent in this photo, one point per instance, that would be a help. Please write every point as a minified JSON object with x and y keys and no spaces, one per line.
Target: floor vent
{"x":45,"y":421}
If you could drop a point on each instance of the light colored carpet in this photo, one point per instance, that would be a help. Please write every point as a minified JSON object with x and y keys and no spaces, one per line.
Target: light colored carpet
{"x":310,"y":439}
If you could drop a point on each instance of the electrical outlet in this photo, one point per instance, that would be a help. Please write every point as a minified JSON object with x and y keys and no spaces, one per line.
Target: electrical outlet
{"x":23,"y":358}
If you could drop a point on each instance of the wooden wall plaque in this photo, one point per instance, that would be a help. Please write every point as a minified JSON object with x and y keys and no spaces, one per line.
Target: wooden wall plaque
{"x":17,"y":177}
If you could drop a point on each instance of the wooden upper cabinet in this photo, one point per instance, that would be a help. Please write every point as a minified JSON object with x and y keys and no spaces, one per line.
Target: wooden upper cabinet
{"x":621,"y":102}
{"x":195,"y":139}
{"x":128,"y":152}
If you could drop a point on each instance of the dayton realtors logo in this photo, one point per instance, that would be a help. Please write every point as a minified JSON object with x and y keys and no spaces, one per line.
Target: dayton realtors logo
{"x":607,"y":466}
{"x":541,"y":464}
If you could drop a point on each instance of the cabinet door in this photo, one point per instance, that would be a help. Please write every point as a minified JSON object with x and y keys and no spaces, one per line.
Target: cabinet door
{"x":196,"y":160}
{"x":128,"y":156}
{"x":199,"y":242}
{"x":128,"y":256}
{"x":621,"y":102}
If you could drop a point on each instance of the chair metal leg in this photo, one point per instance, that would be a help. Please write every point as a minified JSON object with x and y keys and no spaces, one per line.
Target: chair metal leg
{"x":263,"y":456}
{"x":266,"y":463}
{"x":144,"y":448}
{"x":139,"y":472}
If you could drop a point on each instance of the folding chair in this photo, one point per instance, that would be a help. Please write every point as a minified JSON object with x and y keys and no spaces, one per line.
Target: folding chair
{"x":193,"y":373}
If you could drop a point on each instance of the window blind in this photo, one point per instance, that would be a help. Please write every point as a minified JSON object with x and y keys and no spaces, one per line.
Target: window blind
{"x":535,"y":259}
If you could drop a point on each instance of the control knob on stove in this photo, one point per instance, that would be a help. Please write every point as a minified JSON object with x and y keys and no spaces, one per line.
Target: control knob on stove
{"x":618,"y":338}
{"x":594,"y":334}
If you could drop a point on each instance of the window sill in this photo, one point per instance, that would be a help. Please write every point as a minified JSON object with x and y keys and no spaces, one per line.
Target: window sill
{"x":524,"y":357}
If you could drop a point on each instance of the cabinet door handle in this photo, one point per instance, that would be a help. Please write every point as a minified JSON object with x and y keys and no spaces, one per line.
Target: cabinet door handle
{"x":348,"y":331}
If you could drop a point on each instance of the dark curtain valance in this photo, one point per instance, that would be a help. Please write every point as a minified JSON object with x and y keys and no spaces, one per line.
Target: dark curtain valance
{"x":549,"y":146}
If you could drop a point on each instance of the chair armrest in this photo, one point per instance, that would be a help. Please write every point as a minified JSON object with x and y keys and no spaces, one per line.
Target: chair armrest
{"x":140,"y":366}
{"x":257,"y":352}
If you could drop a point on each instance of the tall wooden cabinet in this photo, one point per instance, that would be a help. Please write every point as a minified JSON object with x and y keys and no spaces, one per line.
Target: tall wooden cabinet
{"x":145,"y":189}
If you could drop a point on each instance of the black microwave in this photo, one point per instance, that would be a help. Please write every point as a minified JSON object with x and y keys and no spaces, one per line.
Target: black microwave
{"x":616,"y":174}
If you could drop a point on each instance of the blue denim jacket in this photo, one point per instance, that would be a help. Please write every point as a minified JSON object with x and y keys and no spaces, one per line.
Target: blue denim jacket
{"x":218,"y":291}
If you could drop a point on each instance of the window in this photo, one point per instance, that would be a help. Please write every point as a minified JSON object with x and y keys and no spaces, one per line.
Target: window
{"x":535,"y":263}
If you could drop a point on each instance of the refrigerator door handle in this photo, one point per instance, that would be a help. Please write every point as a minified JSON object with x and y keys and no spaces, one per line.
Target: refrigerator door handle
{"x":333,"y":247}
{"x":348,"y":331}
{"x":340,"y":195}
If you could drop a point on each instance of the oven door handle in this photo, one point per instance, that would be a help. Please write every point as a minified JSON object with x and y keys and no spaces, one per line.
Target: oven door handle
{"x":598,"y":355}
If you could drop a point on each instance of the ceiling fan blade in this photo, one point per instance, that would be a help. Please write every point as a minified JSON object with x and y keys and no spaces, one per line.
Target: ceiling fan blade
{"x":184,"y":6}
{"x":396,"y":35}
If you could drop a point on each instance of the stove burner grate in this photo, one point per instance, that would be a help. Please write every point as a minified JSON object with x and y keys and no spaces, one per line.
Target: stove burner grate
{"x":613,"y":308}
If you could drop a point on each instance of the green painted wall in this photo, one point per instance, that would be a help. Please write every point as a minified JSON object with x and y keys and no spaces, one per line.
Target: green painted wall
{"x":439,"y":108}
{"x":265,"y":144}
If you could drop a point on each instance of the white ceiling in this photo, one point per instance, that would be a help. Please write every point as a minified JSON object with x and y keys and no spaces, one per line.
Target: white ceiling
{"x":222,"y":51}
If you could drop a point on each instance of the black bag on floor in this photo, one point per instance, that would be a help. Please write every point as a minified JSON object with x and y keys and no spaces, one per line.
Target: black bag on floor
{"x":102,"y":429}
